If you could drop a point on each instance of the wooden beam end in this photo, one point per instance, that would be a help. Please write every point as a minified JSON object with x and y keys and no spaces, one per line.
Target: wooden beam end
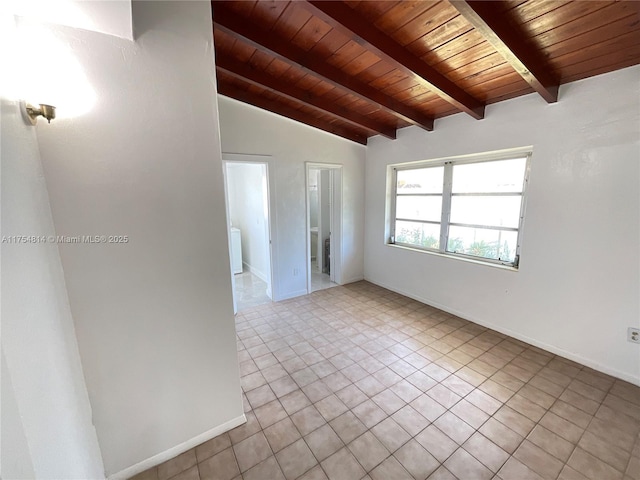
{"x":550,"y":94}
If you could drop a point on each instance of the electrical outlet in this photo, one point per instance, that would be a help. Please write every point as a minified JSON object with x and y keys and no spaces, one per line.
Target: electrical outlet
{"x":633,"y":335}
{"x":295,"y":272}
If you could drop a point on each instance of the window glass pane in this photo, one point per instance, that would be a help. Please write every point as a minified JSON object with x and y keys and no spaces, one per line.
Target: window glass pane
{"x":498,"y":176}
{"x":426,"y":235}
{"x":482,"y":242}
{"x":419,"y":208}
{"x":490,"y":211}
{"x":420,"y":180}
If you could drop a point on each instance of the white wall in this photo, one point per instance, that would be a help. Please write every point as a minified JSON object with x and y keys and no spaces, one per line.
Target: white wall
{"x":47,"y":431}
{"x":15,"y":457}
{"x":249,"y":130}
{"x":112,"y":17}
{"x":153,"y":316}
{"x":578,"y":286}
{"x":246,"y":185}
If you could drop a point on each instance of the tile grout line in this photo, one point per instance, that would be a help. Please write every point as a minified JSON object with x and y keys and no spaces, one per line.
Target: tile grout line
{"x":390,"y":415}
{"x":451,"y":373}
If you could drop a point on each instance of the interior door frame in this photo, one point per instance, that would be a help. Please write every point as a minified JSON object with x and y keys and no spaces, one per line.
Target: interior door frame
{"x":336,"y":179}
{"x":267,"y":161}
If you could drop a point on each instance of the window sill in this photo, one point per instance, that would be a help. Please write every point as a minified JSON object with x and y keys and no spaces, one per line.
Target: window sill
{"x":454,"y":257}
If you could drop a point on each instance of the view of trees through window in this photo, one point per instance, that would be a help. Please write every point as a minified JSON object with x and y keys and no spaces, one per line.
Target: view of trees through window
{"x":477,"y":248}
{"x":482,"y":211}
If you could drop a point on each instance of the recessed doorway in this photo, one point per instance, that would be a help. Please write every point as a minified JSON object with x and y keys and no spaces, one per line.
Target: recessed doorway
{"x":247,"y":194}
{"x":324,"y":204}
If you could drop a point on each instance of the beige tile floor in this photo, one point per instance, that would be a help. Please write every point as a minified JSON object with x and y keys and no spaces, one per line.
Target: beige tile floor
{"x":357,"y":382}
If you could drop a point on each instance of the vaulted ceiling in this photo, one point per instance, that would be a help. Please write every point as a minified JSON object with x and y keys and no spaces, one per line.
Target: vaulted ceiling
{"x":362,"y":68}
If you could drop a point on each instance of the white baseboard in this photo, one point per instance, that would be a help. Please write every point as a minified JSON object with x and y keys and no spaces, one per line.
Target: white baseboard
{"x":177,"y":450}
{"x":532,"y":341}
{"x":258,"y":273}
{"x":354,"y":279}
{"x":289,"y":295}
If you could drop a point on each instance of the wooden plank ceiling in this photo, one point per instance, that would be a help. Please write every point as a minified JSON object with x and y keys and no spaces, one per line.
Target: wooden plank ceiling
{"x":363,"y":68}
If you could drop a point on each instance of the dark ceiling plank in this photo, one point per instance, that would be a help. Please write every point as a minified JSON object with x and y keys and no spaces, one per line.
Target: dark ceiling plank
{"x":237,"y":26}
{"x":286,"y":111}
{"x":585,"y":25}
{"x":267,"y":13}
{"x":401,"y":14}
{"x":420,"y":28}
{"x":525,"y":60}
{"x":290,"y":22}
{"x":311,"y":33}
{"x":584,"y":40}
{"x":372,"y":10}
{"x":539,"y":21}
{"x":344,"y":19}
{"x":614,"y":53}
{"x":256,"y":77}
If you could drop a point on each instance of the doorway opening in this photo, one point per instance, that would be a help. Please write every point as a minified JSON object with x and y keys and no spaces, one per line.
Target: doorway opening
{"x":324,"y":197}
{"x":247,"y":195}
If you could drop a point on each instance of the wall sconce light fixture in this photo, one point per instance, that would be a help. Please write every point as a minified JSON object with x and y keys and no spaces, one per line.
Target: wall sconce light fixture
{"x":46,"y":111}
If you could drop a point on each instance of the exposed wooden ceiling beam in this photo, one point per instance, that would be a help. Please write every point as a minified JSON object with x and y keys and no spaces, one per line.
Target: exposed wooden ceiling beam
{"x":526,"y":60}
{"x":342,"y":18}
{"x":244,"y":71}
{"x":258,"y":37}
{"x":281,"y":109}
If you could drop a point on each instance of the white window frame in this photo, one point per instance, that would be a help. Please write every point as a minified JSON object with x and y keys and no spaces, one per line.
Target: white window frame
{"x":447,"y":195}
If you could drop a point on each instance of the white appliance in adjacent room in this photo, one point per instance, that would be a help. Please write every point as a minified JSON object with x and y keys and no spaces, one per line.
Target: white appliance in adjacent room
{"x":236,"y":250}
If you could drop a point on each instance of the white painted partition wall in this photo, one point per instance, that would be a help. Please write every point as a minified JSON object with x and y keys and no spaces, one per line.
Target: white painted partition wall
{"x":578,"y":288}
{"x":46,"y":427}
{"x":248,"y":130}
{"x":153,"y":316}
